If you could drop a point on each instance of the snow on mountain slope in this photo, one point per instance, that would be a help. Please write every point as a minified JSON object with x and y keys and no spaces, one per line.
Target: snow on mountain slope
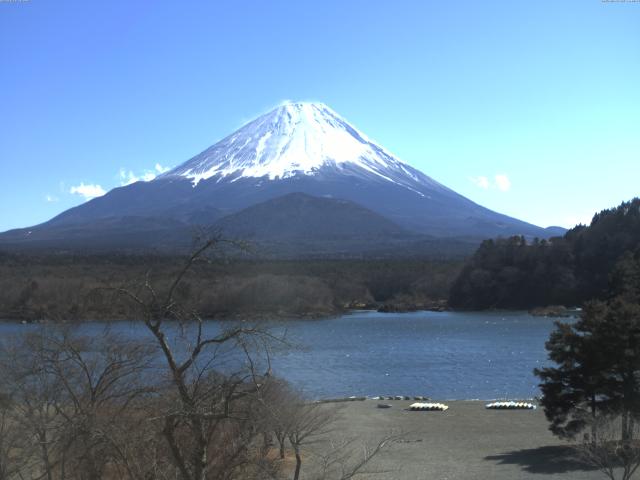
{"x":299,"y":139}
{"x":298,"y":148}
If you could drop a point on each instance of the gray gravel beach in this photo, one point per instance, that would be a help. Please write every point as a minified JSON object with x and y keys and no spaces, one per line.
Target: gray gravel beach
{"x":465,"y":442}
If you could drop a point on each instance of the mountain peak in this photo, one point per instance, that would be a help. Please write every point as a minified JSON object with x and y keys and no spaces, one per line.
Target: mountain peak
{"x":298,"y":138}
{"x":302,"y":104}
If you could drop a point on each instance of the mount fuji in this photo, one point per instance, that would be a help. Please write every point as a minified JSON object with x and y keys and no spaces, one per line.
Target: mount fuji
{"x":270,"y":181}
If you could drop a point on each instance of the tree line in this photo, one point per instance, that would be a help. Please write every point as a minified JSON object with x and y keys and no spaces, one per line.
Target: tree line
{"x":591,"y":391}
{"x":72,"y":287}
{"x":588,"y":262}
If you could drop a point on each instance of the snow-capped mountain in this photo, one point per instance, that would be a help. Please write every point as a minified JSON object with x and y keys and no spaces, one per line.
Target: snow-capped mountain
{"x":299,"y":139}
{"x":298,"y":147}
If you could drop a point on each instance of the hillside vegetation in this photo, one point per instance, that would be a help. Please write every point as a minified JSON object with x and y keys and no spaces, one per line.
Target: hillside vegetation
{"x":588,"y":262}
{"x":79,"y":287}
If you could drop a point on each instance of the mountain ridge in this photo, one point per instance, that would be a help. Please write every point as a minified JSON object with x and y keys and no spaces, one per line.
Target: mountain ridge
{"x":324,"y":218}
{"x":297,"y":147}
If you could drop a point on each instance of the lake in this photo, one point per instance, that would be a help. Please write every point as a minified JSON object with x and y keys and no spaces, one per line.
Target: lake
{"x":444,"y":355}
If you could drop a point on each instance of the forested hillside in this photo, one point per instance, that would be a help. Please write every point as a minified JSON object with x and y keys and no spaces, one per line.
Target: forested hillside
{"x":73,"y":287}
{"x":595,"y":261}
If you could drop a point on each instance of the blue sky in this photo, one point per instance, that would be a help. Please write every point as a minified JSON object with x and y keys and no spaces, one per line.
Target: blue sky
{"x":529,"y":108}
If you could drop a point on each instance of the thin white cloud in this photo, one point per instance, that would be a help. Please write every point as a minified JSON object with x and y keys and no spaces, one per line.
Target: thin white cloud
{"x":127,"y":177}
{"x":481,"y":181}
{"x":502,"y":182}
{"x":50,"y":198}
{"x":161,"y":169}
{"x":88,"y":191}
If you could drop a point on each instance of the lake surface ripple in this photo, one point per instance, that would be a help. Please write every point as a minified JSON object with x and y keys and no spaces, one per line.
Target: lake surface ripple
{"x":444,"y":355}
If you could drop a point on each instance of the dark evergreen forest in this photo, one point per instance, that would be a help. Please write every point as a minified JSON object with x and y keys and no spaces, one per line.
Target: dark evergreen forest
{"x":597,"y":261}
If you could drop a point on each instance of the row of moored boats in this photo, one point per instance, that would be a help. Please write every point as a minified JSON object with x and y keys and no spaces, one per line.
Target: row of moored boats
{"x":441,"y":407}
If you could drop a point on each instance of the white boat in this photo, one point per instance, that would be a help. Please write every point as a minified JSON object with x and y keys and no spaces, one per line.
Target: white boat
{"x":428,"y":407}
{"x":510,"y":405}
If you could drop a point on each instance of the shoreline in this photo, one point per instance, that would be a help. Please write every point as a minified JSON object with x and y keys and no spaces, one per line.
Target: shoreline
{"x":277,"y":317}
{"x":411,"y":399}
{"x":467,"y":441}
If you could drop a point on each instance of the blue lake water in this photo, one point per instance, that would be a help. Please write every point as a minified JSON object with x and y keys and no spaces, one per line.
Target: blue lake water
{"x":444,"y":355}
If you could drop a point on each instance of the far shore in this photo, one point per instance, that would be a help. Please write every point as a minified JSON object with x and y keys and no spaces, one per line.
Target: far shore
{"x":466,"y":442}
{"x":548,"y":312}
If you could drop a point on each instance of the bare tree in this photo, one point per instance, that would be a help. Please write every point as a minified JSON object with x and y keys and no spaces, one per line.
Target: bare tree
{"x":278,"y":403}
{"x":307,"y":428}
{"x":209,"y":404}
{"x":101,"y":378}
{"x":615,"y":451}
{"x":347,"y":458}
{"x":308,"y":424}
{"x":34,"y":405}
{"x":69,"y":395}
{"x":14,"y":442}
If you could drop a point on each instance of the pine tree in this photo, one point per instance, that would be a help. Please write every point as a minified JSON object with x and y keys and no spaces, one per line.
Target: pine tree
{"x":597,"y":369}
